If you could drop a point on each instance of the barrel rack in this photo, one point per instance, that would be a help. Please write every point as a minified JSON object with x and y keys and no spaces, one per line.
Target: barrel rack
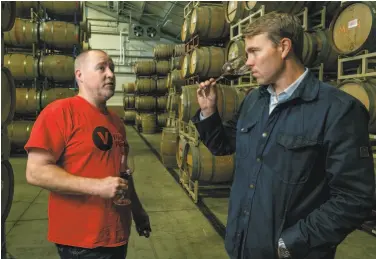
{"x":364,"y":62}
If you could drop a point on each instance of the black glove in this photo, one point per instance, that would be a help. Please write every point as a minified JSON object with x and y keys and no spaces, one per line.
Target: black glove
{"x":142,"y":224}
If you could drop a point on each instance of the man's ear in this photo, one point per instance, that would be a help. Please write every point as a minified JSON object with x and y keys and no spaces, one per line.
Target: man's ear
{"x":78,"y":75}
{"x":286,"y":46}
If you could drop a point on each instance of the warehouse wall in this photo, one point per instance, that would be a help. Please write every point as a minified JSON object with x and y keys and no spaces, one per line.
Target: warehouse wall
{"x":106,"y":36}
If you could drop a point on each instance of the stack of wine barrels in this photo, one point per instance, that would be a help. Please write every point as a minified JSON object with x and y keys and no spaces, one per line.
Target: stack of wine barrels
{"x":40,"y":55}
{"x":352,"y":32}
{"x":150,"y":95}
{"x":129,"y":103}
{"x":198,"y":63}
{"x":8,"y":105}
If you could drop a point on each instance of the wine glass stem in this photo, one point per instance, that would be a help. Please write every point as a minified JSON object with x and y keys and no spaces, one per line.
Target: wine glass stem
{"x":219,"y":78}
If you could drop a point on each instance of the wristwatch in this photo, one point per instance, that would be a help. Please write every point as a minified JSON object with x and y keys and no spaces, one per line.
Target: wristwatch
{"x":282,"y":250}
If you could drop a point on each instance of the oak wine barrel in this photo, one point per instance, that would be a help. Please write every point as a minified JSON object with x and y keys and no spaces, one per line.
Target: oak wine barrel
{"x":23,"y":34}
{"x":149,"y":123}
{"x":8,"y":96}
{"x":145,"y":68}
{"x":309,"y":49}
{"x":129,"y":88}
{"x":27,"y":101}
{"x":185,"y":71}
{"x":293,"y":7}
{"x":168,"y":147}
{"x":161,"y":85}
{"x":353,"y":28}
{"x":162,"y":67}
{"x":62,"y":7}
{"x":52,"y":94}
{"x":57,"y":67}
{"x":130,"y":116}
{"x":7,"y":188}
{"x":364,"y":91}
{"x":19,"y":133}
{"x":5,"y":144}
{"x":129,"y":102}
{"x":22,"y":66}
{"x":162,"y":119}
{"x":179,"y":50}
{"x":23,"y":8}
{"x":176,"y":62}
{"x":326,"y":53}
{"x":163,"y":51}
{"x":185,"y":29}
{"x":202,"y":166}
{"x":145,"y":85}
{"x":235,"y":49}
{"x":162,"y":102}
{"x":209,"y":23}
{"x":235,"y":11}
{"x":318,"y":49}
{"x":207,"y":61}
{"x":177,"y":81}
{"x":60,"y":34}
{"x":145,"y":103}
{"x":8,"y":15}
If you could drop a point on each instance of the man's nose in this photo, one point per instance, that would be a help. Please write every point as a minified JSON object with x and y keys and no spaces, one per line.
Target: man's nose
{"x":110,"y":73}
{"x":250,"y":61}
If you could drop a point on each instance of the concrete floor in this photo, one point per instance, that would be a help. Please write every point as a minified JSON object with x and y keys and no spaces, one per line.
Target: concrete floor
{"x":180,"y":230}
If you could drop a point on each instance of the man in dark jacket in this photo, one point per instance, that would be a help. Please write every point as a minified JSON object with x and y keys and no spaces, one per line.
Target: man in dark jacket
{"x":304,"y":174}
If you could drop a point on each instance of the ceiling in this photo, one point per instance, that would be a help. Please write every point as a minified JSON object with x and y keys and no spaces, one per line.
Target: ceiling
{"x":168,"y":15}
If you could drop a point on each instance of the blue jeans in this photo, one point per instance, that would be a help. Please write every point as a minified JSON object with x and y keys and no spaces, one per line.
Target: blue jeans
{"x":71,"y":252}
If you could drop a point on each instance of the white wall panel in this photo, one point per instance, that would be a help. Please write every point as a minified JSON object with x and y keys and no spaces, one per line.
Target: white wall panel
{"x":100,"y":39}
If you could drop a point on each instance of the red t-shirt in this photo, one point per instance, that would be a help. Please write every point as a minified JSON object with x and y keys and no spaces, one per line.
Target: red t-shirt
{"x":85,"y":143}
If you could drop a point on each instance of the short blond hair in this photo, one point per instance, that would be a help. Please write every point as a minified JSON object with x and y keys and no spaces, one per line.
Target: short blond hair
{"x":278,"y":26}
{"x":81,"y":58}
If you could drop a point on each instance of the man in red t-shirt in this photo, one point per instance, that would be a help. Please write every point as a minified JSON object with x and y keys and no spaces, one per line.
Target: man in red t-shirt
{"x":75,"y":151}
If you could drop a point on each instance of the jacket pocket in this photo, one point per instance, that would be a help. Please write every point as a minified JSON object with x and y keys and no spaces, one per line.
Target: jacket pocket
{"x":296,"y":156}
{"x":243,"y":140}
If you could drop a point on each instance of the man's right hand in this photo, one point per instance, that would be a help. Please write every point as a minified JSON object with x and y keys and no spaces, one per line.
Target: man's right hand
{"x":207,"y":97}
{"x":110,"y":186}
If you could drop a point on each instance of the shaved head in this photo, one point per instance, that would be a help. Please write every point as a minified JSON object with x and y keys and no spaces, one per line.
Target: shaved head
{"x":82,"y":57}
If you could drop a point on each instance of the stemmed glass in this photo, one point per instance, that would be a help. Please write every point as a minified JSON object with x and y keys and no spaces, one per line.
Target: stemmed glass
{"x":127,"y":168}
{"x":234,"y":68}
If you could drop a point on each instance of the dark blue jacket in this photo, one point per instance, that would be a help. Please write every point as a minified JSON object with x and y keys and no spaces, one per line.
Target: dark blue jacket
{"x":304,"y":172}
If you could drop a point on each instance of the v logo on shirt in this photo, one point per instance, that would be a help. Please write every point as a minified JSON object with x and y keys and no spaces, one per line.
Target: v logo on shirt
{"x":102,"y":138}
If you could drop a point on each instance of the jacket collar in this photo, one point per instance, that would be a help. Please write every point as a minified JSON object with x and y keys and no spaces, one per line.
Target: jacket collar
{"x":307,"y":90}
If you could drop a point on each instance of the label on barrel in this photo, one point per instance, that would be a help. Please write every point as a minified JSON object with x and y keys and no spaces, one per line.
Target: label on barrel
{"x":352,"y":23}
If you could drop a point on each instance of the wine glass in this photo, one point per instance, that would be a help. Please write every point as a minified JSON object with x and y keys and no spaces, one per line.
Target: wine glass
{"x":127,"y":168}
{"x":235,"y":67}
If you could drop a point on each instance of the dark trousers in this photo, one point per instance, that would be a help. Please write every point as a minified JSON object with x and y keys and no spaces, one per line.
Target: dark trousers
{"x":71,"y":252}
